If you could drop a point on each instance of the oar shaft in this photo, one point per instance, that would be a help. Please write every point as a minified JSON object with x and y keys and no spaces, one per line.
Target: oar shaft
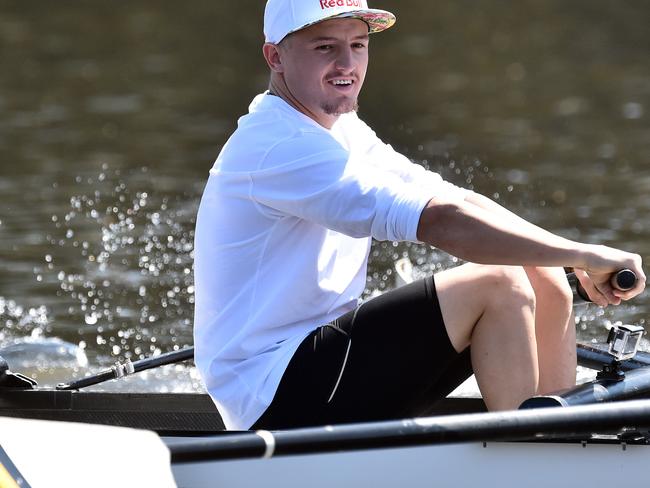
{"x":120,"y":369}
{"x":494,"y":426}
{"x":107,"y":374}
{"x":163,"y":359}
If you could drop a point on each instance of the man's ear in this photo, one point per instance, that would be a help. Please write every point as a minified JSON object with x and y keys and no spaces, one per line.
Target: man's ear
{"x":273,"y":57}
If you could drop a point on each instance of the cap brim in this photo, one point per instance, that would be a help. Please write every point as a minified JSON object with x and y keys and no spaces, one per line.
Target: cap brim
{"x":377,"y":20}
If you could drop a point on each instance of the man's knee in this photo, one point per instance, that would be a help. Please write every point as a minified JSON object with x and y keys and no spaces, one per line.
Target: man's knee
{"x":501,"y":294}
{"x":510,"y":285}
{"x":551,"y":286}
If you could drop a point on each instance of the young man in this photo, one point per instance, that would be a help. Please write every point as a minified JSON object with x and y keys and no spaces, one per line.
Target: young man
{"x":282,"y":242}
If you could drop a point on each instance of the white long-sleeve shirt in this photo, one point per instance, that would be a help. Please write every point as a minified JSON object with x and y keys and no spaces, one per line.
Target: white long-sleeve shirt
{"x":282,"y":240}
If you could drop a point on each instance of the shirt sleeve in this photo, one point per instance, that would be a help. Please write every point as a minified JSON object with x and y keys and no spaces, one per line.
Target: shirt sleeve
{"x":355,"y":193}
{"x":388,"y":159}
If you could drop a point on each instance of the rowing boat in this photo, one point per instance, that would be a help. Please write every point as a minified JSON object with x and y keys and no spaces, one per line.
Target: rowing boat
{"x":596,"y":433}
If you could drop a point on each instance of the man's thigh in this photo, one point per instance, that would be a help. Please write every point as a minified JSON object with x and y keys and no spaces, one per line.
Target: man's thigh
{"x":396,"y":363}
{"x":403,"y":360}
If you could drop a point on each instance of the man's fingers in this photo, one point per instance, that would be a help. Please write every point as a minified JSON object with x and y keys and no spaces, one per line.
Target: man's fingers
{"x":600,"y":290}
{"x":604,"y":297}
{"x":595,"y":295}
{"x":629,"y":294}
{"x":608,"y":293}
{"x":611,"y":298}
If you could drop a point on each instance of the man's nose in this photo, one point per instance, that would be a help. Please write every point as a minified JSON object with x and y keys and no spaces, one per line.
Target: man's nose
{"x":345,"y":60}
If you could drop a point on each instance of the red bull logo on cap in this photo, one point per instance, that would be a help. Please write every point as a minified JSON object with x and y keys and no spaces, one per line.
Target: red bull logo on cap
{"x":341,"y":3}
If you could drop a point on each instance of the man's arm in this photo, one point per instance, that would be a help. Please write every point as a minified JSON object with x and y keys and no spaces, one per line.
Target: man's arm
{"x":479,"y":230}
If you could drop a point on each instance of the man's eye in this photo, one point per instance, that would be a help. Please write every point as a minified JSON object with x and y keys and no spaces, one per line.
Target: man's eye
{"x":324,"y":47}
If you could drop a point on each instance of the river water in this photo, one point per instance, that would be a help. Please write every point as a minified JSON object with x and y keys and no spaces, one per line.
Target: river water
{"x":111,"y":114}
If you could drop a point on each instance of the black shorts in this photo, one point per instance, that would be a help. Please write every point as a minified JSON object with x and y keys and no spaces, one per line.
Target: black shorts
{"x":390,"y":358}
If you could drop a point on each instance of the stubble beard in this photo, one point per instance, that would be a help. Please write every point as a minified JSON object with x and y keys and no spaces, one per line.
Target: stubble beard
{"x":340,"y":107}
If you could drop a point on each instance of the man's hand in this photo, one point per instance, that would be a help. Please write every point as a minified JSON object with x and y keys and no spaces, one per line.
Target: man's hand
{"x":596,"y":276}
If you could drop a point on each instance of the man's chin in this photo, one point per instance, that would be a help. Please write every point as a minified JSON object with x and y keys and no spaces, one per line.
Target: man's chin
{"x":341,"y":107}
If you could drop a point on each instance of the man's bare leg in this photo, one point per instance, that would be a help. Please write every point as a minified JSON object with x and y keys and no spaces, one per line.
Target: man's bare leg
{"x":493,"y":309}
{"x":554,"y":329}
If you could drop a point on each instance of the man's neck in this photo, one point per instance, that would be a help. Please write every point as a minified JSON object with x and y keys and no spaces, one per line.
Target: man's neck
{"x":324,"y":120}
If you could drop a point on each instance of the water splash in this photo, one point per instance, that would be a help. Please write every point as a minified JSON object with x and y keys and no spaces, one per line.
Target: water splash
{"x":131,"y":289}
{"x":18,"y":320}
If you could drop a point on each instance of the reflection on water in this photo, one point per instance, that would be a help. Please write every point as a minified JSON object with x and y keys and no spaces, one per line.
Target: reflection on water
{"x":111,"y":116}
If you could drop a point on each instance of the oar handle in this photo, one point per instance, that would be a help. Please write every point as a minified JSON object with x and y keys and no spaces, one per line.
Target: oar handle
{"x":622,"y":280}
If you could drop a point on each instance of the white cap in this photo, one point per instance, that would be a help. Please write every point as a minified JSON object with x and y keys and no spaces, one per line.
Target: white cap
{"x":282,"y":17}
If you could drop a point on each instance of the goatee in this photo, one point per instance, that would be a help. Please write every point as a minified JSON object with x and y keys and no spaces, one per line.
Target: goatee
{"x":340,"y":108}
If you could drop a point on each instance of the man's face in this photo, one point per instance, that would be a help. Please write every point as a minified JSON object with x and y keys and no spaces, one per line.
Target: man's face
{"x":324,"y":67}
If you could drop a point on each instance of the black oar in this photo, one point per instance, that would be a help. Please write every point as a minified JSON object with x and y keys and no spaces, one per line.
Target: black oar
{"x":542,"y":423}
{"x":124,"y":369}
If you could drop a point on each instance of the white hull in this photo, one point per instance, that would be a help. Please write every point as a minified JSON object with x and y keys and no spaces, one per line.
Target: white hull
{"x":498,"y":464}
{"x":74,"y":455}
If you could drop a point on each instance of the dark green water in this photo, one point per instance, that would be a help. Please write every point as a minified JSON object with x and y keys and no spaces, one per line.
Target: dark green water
{"x":111,"y":114}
